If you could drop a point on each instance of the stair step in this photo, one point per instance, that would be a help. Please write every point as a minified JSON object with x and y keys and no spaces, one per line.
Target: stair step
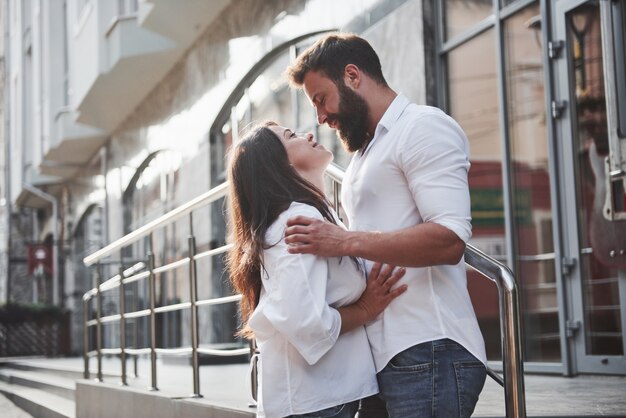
{"x":68,"y":372}
{"x":53,"y":384}
{"x":39,"y":403}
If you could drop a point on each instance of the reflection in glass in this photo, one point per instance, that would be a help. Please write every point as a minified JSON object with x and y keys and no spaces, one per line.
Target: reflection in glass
{"x":151,"y":193}
{"x":473,"y":102}
{"x":598,"y":236}
{"x":506,"y":2}
{"x":270,"y":95}
{"x":463,"y":14}
{"x":532,"y":215}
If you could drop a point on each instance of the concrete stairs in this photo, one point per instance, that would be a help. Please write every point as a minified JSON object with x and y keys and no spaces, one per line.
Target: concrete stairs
{"x":39,"y":390}
{"x":56,"y":388}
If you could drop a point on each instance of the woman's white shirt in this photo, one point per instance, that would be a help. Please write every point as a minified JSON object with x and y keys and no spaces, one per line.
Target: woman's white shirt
{"x":305,"y":365}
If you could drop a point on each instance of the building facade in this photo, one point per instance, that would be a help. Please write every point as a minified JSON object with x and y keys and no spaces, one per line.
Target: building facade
{"x":120,"y":111}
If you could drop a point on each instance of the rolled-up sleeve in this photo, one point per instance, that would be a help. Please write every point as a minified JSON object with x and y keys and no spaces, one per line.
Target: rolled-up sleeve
{"x":435,"y":161}
{"x":295,"y":302}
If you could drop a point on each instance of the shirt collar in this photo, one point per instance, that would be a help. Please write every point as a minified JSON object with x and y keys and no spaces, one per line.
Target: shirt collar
{"x":390,"y":117}
{"x":393,"y":112}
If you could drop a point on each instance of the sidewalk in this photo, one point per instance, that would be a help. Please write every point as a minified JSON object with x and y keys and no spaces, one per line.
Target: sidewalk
{"x":553,"y":395}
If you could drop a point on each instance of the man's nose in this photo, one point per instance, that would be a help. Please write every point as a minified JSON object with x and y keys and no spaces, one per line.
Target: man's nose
{"x":321,"y":116}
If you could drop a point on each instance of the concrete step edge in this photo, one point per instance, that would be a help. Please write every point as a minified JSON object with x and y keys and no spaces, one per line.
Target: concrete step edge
{"x":39,"y":403}
{"x":67,"y":371}
{"x":53,"y":384}
{"x":61,"y":381}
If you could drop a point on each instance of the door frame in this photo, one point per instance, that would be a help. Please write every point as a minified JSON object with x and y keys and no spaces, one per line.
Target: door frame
{"x":581,"y":362}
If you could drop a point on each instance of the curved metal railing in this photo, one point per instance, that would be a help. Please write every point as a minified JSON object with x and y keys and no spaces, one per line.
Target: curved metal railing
{"x":513,"y":378}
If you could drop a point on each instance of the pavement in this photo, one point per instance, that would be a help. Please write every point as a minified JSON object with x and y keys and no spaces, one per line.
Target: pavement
{"x":554,"y":395}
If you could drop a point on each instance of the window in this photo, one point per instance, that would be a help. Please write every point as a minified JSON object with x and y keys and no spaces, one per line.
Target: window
{"x":530,"y":184}
{"x":463,"y":14}
{"x":80,"y":6}
{"x":474,"y":91}
{"x":127,"y":7}
{"x":473,"y":102}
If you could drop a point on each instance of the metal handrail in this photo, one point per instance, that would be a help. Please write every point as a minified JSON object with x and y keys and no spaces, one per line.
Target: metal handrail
{"x":508,"y":297}
{"x":133,"y":274}
{"x":513,"y":377}
{"x":175,"y":214}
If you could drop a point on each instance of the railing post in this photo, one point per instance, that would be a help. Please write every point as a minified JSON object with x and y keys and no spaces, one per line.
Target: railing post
{"x":254,"y":372}
{"x":152,"y":280}
{"x":508,"y":298}
{"x":336,"y":187}
{"x":85,"y":339}
{"x":513,"y":365}
{"x":135,"y":330}
{"x":98,"y":321}
{"x":193,"y":290}
{"x":122,"y":325}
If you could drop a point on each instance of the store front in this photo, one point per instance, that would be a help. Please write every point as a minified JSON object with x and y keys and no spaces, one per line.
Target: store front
{"x":525,"y":79}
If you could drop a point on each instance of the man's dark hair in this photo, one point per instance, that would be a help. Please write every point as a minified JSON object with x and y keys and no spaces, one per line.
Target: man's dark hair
{"x":330,"y":55}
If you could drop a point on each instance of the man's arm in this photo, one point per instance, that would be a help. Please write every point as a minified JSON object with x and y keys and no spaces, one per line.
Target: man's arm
{"x":422,"y":245}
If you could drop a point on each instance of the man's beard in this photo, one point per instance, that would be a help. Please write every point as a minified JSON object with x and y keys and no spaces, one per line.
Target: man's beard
{"x":351,"y":119}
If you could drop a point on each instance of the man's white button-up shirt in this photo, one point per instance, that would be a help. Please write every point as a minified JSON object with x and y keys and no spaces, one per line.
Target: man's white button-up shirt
{"x":414,"y":171}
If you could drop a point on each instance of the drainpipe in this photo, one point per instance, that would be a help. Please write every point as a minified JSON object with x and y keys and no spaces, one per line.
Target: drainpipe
{"x":55,"y":239}
{"x":7,"y":145}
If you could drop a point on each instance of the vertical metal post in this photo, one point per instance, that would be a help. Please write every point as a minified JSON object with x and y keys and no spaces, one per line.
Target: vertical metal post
{"x":122,"y":325}
{"x":152,"y":283}
{"x":85,"y":339}
{"x":135,"y":366}
{"x":98,"y":321}
{"x":193,"y":297}
{"x":513,"y":366}
{"x":336,"y":186}
{"x":135,"y":307}
{"x":508,"y":298}
{"x":254,"y":371}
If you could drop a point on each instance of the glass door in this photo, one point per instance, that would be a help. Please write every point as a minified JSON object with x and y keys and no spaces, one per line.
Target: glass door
{"x":594,"y":263}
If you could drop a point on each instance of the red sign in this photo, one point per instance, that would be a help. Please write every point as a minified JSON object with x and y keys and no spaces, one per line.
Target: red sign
{"x":39,"y":257}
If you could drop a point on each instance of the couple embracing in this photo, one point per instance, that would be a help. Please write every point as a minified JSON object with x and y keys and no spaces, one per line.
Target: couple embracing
{"x":340,"y":328}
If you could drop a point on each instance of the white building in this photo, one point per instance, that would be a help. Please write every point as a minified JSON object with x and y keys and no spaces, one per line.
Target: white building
{"x":119,"y":111}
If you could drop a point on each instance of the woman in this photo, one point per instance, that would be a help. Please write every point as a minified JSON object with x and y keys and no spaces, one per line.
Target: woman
{"x":306,"y":312}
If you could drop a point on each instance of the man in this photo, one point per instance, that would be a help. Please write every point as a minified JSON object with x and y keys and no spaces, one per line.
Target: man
{"x":406,"y":196}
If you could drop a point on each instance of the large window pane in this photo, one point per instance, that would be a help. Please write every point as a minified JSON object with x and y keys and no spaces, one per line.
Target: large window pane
{"x":599,"y":237}
{"x":532,"y":216}
{"x":506,"y":2}
{"x":270,"y":96}
{"x":463,"y":14}
{"x":473,"y":102}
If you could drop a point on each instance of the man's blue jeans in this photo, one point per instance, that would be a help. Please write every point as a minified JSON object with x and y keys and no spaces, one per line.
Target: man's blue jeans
{"x":347,"y":410}
{"x":436,"y":379}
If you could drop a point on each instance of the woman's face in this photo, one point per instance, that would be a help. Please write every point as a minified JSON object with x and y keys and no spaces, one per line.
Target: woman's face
{"x":304,"y":153}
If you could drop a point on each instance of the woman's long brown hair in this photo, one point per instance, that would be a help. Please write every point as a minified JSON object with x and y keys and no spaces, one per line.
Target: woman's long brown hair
{"x":262,"y":185}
